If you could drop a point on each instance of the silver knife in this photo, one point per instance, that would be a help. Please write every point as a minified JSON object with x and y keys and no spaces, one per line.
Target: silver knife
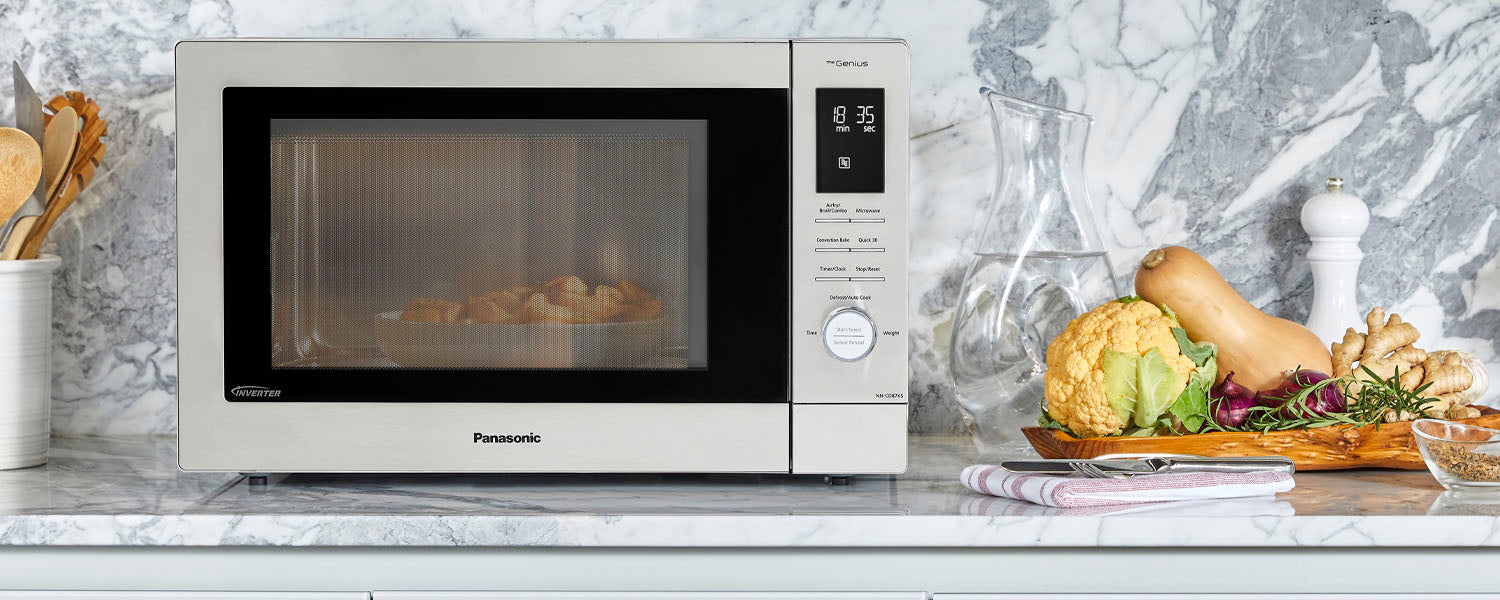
{"x":28,"y":119}
{"x":1126,"y":467}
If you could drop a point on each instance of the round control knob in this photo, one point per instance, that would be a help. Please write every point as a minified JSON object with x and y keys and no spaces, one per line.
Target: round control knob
{"x":849,"y":334}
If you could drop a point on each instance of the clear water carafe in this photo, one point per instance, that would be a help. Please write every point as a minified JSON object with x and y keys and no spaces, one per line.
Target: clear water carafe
{"x":1037,"y":263}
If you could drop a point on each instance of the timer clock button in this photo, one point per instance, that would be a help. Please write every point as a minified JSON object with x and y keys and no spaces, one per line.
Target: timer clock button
{"x":849,"y":334}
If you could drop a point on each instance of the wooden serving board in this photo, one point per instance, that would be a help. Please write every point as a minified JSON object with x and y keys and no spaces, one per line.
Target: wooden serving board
{"x":1389,"y":445}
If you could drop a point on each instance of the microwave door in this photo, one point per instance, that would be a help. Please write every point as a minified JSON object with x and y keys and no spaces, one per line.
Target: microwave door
{"x":539,"y":246}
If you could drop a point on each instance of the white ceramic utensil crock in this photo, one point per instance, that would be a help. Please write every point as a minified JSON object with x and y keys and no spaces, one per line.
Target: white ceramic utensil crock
{"x":26,"y":360}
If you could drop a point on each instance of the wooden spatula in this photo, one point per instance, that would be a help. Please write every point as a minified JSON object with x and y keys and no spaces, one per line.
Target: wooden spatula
{"x":60,"y":140}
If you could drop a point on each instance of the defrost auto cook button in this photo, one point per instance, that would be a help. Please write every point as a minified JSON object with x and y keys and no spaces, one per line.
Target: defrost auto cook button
{"x":849,"y":334}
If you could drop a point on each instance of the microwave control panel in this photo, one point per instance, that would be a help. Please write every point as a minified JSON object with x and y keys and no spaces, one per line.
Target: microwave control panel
{"x":849,"y":198}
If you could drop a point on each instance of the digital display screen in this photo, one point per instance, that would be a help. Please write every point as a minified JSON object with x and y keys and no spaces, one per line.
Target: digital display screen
{"x":851,"y":140}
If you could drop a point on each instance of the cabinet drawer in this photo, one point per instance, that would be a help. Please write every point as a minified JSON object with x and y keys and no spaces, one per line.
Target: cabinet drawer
{"x":44,"y":595}
{"x":650,"y":596}
{"x":1216,"y":596}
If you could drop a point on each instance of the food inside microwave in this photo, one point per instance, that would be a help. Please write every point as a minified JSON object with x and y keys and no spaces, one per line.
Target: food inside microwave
{"x":566,"y":299}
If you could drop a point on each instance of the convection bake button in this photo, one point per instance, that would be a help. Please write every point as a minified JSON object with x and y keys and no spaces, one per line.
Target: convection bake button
{"x":830,"y":249}
{"x":849,"y":334}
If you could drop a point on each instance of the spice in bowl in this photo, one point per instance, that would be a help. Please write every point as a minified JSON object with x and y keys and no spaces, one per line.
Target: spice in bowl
{"x":1462,"y":457}
{"x":1464,"y":463}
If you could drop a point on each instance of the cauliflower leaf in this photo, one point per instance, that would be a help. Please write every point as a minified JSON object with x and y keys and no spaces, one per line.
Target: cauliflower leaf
{"x":1158,"y":387}
{"x":1191,"y":407}
{"x":1121,"y":383}
{"x":1201,"y":354}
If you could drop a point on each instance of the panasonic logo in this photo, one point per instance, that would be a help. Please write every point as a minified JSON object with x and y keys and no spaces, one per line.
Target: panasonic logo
{"x":254,"y":391}
{"x":530,"y":438}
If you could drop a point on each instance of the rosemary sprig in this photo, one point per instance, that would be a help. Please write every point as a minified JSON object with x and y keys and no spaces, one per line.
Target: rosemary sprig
{"x":1366,"y":402}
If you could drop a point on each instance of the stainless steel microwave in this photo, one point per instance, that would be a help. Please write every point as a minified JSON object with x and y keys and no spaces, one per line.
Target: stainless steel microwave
{"x":542,"y":256}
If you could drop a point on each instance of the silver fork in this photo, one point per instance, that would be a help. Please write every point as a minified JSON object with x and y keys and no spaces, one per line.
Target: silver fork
{"x":1092,"y":472}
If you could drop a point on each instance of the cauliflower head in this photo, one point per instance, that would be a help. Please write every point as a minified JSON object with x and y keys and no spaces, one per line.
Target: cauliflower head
{"x":1075,"y":392}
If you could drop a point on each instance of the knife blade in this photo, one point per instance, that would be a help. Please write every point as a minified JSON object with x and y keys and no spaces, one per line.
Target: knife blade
{"x":29,"y":116}
{"x":1133,"y":466}
{"x":1063,"y":466}
{"x":28,"y":119}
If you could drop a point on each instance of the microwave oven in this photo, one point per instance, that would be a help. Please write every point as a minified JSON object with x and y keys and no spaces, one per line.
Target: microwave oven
{"x":542,"y":256}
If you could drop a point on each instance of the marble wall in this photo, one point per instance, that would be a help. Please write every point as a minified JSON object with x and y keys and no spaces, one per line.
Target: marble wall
{"x":1214,"y":121}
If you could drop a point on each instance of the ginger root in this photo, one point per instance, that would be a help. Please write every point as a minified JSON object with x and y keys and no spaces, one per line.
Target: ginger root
{"x":1389,"y":349}
{"x":1447,"y":373}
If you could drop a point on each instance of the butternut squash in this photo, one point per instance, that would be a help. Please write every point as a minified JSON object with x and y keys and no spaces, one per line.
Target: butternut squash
{"x":1256,"y":347}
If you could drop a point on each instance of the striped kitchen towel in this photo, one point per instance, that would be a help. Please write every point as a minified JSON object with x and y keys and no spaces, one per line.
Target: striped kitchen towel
{"x":975,"y":505}
{"x":1074,"y":492}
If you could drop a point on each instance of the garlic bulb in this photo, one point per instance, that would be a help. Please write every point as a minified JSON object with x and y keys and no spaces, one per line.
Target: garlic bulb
{"x":1481,"y":378}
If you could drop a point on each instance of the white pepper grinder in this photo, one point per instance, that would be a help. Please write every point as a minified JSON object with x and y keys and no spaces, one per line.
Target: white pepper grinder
{"x":1334,"y":220}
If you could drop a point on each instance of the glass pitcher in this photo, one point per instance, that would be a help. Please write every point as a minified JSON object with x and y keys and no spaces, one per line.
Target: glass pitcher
{"x":1037,"y":263}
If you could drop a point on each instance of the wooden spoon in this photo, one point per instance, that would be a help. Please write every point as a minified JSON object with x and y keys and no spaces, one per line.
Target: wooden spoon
{"x":20,"y":169}
{"x":62,"y":134}
{"x":60,"y":140}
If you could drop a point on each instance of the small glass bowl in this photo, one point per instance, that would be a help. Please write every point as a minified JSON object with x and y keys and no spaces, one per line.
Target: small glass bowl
{"x":1463,"y":458}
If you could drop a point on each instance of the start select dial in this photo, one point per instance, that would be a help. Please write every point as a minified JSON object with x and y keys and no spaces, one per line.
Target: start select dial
{"x":849,"y":334}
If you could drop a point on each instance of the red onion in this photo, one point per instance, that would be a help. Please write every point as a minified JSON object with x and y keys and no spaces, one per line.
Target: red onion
{"x":1325,"y":401}
{"x":1231,"y":402}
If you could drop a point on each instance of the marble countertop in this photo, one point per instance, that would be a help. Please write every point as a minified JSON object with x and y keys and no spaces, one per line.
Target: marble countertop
{"x":128,"y":491}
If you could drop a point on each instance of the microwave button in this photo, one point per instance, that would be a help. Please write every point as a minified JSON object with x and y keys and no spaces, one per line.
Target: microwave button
{"x":849,"y":334}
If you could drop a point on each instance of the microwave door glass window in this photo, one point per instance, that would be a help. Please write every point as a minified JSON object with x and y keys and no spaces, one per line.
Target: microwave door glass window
{"x":489,"y":244}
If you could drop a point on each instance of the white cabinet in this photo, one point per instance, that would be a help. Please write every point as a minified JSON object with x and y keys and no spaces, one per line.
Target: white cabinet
{"x":650,"y":596}
{"x":41,"y":595}
{"x":1170,"y":596}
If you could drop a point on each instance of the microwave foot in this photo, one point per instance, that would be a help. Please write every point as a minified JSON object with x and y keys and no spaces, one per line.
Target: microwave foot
{"x":840,"y":480}
{"x":255,"y":479}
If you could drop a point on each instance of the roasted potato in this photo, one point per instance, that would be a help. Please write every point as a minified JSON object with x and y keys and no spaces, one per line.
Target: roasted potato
{"x":507,"y":299}
{"x":593,"y":308}
{"x":538,"y":309}
{"x":432,"y":310}
{"x":644,"y":311}
{"x":485,"y":309}
{"x":632,"y":292}
{"x":567,"y":283}
{"x":565,"y":299}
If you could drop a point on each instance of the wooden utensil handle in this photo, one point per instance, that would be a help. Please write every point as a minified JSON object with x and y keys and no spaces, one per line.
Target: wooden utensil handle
{"x":33,"y":244}
{"x":18,"y":235}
